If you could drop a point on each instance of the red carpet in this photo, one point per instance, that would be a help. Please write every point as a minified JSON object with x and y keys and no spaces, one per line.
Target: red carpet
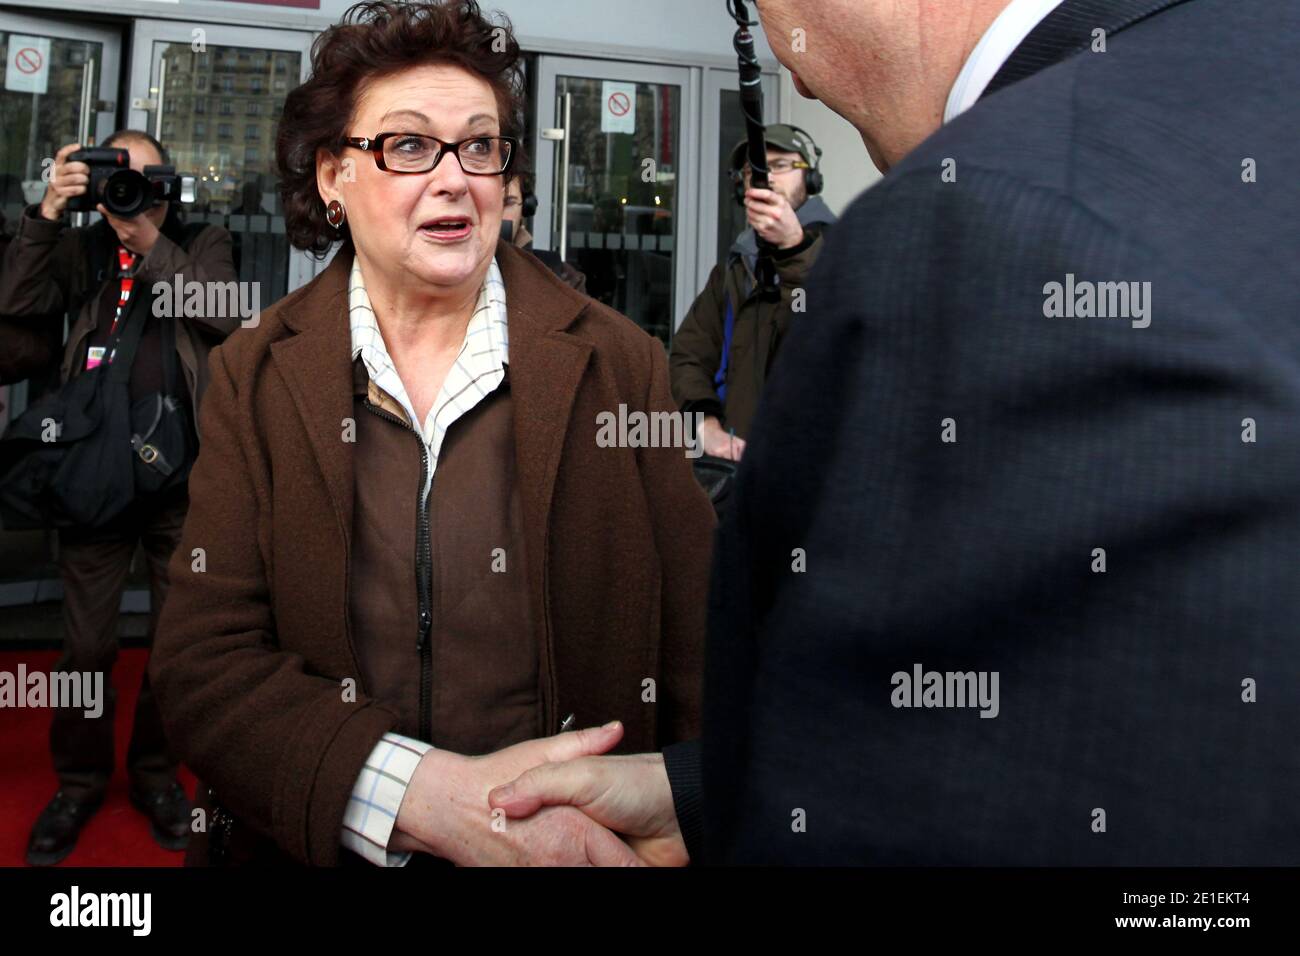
{"x":118,"y":835}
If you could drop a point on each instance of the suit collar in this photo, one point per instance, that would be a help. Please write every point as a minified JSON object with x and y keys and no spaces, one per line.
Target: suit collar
{"x":1068,"y":30}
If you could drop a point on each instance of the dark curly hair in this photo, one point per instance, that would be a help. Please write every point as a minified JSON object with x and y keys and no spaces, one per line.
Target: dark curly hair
{"x":376,"y":39}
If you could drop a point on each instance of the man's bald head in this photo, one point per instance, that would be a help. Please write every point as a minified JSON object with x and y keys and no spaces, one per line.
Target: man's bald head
{"x":884,"y":65}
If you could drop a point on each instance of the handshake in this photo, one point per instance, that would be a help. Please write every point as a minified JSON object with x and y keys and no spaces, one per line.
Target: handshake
{"x":554,"y":801}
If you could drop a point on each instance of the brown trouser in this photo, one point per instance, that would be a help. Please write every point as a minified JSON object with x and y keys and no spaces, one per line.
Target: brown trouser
{"x":94,"y":565}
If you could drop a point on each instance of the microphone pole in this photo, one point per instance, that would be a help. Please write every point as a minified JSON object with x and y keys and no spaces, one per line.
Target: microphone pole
{"x":751,"y":104}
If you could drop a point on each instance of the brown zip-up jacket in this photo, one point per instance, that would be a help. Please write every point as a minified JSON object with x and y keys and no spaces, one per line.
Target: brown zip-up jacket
{"x":255,"y":639}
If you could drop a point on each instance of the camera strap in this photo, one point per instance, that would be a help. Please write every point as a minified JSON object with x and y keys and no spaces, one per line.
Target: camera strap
{"x":127,"y":266}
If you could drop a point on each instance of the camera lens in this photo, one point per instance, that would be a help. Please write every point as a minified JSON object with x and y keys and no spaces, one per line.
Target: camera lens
{"x":126,"y":193}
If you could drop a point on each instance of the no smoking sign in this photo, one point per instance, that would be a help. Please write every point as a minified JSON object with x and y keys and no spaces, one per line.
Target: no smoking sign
{"x":618,"y":107}
{"x":27,"y":66}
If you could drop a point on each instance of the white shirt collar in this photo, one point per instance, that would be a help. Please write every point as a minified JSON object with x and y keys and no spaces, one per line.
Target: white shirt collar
{"x":1000,"y":40}
{"x":479,"y":368}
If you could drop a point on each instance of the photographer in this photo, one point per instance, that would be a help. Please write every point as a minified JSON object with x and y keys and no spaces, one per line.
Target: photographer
{"x":102,"y":278}
{"x":725,"y":346}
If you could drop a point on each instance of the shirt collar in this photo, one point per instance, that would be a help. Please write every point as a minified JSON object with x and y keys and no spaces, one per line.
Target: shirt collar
{"x":484,"y":353}
{"x":1000,"y":40}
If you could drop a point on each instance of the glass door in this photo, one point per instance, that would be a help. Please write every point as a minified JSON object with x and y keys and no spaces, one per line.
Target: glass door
{"x":60,"y":84}
{"x":613,"y":141}
{"x":213,"y":96}
{"x":60,"y":81}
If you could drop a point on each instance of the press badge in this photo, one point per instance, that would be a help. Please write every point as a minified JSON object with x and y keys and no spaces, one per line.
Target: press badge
{"x":94,"y":356}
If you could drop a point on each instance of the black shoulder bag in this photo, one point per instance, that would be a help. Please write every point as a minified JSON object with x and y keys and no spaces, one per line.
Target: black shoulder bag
{"x":161,"y":437}
{"x":81,"y":456}
{"x":67,"y":460}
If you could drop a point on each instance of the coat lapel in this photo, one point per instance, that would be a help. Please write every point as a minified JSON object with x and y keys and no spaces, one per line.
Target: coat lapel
{"x":546,"y":366}
{"x":546,"y":369}
{"x":316,"y":365}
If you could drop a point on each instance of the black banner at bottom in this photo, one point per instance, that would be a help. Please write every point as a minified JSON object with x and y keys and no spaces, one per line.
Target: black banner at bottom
{"x":565,"y":906}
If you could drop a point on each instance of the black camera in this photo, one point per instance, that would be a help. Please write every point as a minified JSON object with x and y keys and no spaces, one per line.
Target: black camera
{"x":123,"y":191}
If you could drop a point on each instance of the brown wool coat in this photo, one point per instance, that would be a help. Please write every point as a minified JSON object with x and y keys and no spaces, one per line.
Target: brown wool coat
{"x":251,"y":651}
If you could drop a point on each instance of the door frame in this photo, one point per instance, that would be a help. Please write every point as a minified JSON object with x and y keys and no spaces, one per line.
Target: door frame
{"x":302,"y":265}
{"x":715,"y":82}
{"x":549,"y":68}
{"x":109,"y":63}
{"x":110,"y":60}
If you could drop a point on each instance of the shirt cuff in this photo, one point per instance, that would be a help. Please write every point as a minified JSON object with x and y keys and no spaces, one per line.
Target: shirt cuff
{"x":376,"y":797}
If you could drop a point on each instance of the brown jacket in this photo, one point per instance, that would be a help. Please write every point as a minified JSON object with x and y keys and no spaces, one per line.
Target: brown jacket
{"x":255,"y":636}
{"x":44,"y":273}
{"x":760,"y":326}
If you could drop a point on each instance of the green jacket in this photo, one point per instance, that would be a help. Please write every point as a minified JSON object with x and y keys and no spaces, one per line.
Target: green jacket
{"x":696,"y":358}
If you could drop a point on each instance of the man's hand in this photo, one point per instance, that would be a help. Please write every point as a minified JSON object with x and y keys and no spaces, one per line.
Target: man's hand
{"x":66,"y":180}
{"x":139,"y":233}
{"x":445,"y":811}
{"x":718,"y":442}
{"x":630,"y":795}
{"x":773,"y":218}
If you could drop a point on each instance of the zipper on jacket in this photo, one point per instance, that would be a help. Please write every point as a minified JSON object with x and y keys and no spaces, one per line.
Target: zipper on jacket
{"x":423,"y":576}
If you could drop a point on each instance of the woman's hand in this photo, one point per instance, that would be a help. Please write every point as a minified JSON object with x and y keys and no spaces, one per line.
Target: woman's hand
{"x":445,"y":811}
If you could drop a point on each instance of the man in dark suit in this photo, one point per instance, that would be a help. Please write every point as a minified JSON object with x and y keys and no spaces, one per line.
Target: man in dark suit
{"x":1011,"y":575}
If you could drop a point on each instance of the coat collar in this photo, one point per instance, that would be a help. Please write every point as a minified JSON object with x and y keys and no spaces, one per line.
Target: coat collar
{"x":536,"y":284}
{"x":1068,"y":30}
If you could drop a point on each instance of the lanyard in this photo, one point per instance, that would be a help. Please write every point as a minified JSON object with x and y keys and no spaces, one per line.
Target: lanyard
{"x":125,"y":275}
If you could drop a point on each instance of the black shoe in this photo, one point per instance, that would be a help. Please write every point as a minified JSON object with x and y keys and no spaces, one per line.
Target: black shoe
{"x":168,"y":811}
{"x":57,"y":828}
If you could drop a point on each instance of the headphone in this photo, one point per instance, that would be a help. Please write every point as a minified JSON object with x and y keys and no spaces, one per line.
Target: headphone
{"x":529,"y":209}
{"x":814,"y":180}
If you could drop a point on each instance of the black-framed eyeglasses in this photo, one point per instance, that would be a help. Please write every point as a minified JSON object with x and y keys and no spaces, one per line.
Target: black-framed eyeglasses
{"x":417,"y":153}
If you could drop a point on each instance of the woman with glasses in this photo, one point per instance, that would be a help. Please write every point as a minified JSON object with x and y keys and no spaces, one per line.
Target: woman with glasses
{"x":409,"y":563}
